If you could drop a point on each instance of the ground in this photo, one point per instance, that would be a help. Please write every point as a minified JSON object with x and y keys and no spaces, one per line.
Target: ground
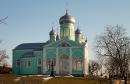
{"x":39,"y":79}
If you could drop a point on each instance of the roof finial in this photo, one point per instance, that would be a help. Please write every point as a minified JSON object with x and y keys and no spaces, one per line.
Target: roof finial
{"x":78,"y":25}
{"x":66,"y":7}
{"x":52,"y":28}
{"x":52,"y":25}
{"x":57,"y":30}
{"x":66,"y":11}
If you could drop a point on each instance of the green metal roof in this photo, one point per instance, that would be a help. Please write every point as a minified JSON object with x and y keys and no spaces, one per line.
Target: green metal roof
{"x":30,"y":46}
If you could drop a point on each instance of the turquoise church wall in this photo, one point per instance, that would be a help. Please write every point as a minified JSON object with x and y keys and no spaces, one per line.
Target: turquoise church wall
{"x":16,"y":56}
{"x":77,"y":52}
{"x":73,"y":48}
{"x":51,"y":53}
{"x":24,"y":68}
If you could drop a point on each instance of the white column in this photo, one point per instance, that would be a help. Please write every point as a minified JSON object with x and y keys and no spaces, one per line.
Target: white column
{"x":44,"y":61}
{"x":57,"y":62}
{"x":70,"y":61}
{"x":85,"y":61}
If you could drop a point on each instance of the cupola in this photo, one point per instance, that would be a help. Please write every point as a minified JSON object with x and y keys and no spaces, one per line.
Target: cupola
{"x":67,"y":19}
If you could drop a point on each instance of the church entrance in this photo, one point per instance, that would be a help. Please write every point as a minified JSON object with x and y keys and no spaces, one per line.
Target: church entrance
{"x":64,"y":65}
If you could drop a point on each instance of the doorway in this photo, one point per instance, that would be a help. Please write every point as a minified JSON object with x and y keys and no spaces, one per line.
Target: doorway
{"x":64,"y":65}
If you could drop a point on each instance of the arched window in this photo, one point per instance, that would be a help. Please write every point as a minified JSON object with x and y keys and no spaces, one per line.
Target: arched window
{"x":29,"y":63}
{"x":49,"y":63}
{"x":77,"y":64}
{"x":64,"y":45}
{"x":39,"y":61}
{"x":17,"y":62}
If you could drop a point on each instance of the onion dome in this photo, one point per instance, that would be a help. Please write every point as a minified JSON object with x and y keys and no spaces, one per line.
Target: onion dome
{"x":52,"y":32}
{"x":78,"y":31}
{"x":67,"y":19}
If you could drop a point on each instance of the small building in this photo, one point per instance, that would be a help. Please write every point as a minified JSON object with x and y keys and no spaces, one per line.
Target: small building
{"x":68,"y":50}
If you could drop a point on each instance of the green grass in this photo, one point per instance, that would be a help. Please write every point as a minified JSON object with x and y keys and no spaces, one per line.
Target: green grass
{"x":18,"y":79}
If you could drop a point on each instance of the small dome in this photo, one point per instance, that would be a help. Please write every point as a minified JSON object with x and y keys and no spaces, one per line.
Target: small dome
{"x":78,"y":31}
{"x":67,"y":19}
{"x":52,"y":32}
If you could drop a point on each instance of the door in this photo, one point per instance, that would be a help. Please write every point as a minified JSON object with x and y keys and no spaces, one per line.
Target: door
{"x":39,"y":70}
{"x":64,"y":65}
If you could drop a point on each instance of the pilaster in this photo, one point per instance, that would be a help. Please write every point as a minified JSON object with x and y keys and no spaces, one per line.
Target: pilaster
{"x":57,"y":62}
{"x":85,"y":60}
{"x":70,"y":61}
{"x":44,"y":61}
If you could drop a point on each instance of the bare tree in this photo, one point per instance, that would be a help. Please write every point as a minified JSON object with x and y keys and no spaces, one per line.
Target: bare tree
{"x":113,"y":47}
{"x":94,"y":68}
{"x":3,"y":57}
{"x":3,"y":54}
{"x":3,"y":20}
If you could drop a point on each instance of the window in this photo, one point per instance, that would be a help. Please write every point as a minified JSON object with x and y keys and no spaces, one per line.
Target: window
{"x":39,"y":61}
{"x":29,"y":63}
{"x":77,"y":64}
{"x":49,"y":63}
{"x":64,"y":45}
{"x":17,"y":62}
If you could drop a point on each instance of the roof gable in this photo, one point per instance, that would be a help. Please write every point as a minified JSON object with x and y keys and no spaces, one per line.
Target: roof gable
{"x":64,"y":43}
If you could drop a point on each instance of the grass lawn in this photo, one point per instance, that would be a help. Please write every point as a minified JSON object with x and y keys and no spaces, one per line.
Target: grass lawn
{"x":39,"y":79}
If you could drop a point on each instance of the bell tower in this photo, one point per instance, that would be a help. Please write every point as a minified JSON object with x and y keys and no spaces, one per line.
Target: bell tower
{"x":67,"y":26}
{"x":52,"y":35}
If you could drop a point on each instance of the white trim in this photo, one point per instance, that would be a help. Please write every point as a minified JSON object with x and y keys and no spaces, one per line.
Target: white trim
{"x":57,"y":62}
{"x":61,"y":47}
{"x":70,"y":59}
{"x":44,"y":61}
{"x":85,"y":62}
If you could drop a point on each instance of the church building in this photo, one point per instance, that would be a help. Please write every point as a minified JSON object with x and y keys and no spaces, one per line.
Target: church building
{"x":67,"y":50}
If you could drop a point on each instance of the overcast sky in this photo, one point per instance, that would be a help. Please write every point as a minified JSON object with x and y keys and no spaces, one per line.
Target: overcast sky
{"x":30,"y":21}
